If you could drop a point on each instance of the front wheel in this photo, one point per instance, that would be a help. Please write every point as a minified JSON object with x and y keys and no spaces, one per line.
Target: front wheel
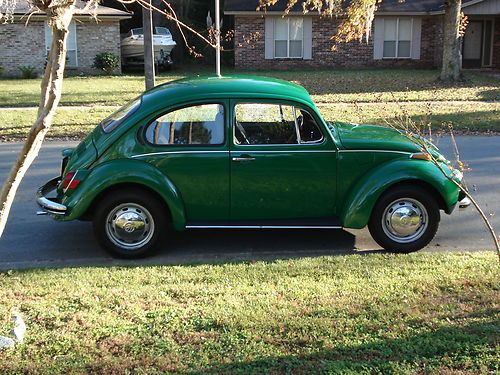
{"x":129,"y":223}
{"x":405,"y":219}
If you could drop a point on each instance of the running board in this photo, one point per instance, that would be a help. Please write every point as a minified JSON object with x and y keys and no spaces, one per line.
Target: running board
{"x":262,"y":227}
{"x":327,"y":223}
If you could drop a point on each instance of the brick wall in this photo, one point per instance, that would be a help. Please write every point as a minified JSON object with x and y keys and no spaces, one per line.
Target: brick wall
{"x":93,"y":38}
{"x":431,"y":52}
{"x":496,"y":44}
{"x":250,"y":47}
{"x":22,"y":45}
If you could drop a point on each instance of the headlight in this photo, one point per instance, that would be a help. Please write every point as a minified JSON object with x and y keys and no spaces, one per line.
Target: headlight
{"x":421,"y":156}
{"x":458,"y":175}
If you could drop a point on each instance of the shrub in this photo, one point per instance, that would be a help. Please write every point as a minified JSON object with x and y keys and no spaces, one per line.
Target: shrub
{"x":106,"y":61}
{"x":1,"y":70}
{"x":28,"y":72}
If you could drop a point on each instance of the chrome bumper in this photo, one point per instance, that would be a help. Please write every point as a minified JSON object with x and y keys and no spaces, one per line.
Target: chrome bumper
{"x":49,"y":206}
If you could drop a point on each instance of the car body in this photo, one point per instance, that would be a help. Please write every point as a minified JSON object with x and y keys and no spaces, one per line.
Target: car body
{"x":246,"y":152}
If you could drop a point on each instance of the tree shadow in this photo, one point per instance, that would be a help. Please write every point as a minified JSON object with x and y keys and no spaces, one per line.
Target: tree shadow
{"x":378,"y":81}
{"x":452,"y":347}
{"x":493,"y":94}
{"x":77,"y":247}
{"x":463,"y":121}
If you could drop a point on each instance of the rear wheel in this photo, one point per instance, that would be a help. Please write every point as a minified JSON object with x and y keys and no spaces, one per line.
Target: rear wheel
{"x":129,"y":223}
{"x":405,"y":219}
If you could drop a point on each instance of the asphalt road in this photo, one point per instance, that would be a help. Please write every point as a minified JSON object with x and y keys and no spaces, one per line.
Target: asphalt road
{"x":38,"y":241}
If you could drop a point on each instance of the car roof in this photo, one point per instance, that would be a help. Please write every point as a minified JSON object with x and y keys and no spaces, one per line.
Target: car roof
{"x":207,"y":87}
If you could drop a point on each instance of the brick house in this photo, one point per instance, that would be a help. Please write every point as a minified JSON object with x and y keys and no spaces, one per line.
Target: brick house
{"x":404,"y":34}
{"x":24,"y":44}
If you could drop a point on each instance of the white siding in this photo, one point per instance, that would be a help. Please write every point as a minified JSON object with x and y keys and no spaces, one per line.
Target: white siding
{"x":486,"y":7}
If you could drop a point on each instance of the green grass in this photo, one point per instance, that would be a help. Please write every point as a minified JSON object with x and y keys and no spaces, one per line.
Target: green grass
{"x":421,"y":313}
{"x":390,"y":85}
{"x":68,"y":123}
{"x":326,"y":86}
{"x":464,"y":117}
{"x":364,"y":96}
{"x":468,"y":116}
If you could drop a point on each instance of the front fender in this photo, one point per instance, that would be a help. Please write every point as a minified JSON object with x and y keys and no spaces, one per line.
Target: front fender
{"x":123,"y":171}
{"x":358,"y":207}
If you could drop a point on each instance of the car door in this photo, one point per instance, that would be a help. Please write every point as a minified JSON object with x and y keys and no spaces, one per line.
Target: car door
{"x":283,"y":165}
{"x":190,"y":146}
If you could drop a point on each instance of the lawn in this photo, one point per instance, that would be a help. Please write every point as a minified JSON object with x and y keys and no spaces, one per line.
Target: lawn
{"x":76,"y":122}
{"x":366,"y":96}
{"x":325,"y":86}
{"x":377,"y":313}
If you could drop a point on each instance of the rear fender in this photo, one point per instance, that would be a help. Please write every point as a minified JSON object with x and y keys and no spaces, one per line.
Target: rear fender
{"x":123,"y":171}
{"x":365,"y":193}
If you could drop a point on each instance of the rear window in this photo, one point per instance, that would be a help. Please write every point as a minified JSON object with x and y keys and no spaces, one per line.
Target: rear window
{"x":112,"y":122}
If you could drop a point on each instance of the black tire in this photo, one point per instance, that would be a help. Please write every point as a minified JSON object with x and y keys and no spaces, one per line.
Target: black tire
{"x":414,"y":198}
{"x":146,"y":210}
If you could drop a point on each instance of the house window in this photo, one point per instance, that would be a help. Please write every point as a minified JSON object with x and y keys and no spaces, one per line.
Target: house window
{"x":71,"y":50}
{"x":397,"y":38}
{"x":288,"y":37}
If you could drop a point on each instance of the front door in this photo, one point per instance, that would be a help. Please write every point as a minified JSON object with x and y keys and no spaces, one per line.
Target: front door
{"x":283,"y":167}
{"x":472,"y":45}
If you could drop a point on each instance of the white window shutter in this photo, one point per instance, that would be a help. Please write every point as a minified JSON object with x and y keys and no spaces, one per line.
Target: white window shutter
{"x":307,"y":42}
{"x":269,"y":37}
{"x":71,"y":42}
{"x":48,"y":36}
{"x":416,"y":38}
{"x":378,"y":39}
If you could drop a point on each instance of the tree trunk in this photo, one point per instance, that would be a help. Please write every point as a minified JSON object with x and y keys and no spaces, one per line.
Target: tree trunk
{"x":452,"y":56}
{"x":51,"y":88}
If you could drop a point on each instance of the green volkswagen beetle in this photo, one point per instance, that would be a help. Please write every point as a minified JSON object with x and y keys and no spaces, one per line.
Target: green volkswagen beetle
{"x":245,"y":152}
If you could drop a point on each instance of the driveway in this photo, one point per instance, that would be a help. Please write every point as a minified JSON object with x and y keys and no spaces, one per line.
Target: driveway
{"x":37,"y":241}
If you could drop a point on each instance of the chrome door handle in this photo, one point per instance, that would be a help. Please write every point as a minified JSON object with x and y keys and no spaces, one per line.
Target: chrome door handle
{"x":243,"y":158}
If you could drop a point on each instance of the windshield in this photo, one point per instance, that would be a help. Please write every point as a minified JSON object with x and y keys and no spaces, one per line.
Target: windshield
{"x":158,"y":31}
{"x":137,"y":31}
{"x":163,"y":31}
{"x":112,"y":122}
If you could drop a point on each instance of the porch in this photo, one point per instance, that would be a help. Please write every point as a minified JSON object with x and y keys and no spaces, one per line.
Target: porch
{"x":481,"y":42}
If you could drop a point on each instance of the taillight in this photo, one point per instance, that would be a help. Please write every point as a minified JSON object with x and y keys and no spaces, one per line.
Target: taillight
{"x":70,"y":181}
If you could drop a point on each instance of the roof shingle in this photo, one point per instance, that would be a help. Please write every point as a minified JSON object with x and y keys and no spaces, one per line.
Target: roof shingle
{"x":23,"y":7}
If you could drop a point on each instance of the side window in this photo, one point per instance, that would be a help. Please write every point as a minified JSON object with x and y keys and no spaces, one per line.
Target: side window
{"x":196,"y":125}
{"x":264,"y":124}
{"x":308,"y":129}
{"x":274,"y":124}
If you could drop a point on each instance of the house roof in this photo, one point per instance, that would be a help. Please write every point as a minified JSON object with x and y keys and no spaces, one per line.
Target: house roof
{"x":23,"y":8}
{"x":387,"y":6}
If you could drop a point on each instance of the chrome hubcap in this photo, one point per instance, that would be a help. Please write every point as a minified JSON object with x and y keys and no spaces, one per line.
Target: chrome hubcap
{"x":405,"y":220}
{"x":129,"y":226}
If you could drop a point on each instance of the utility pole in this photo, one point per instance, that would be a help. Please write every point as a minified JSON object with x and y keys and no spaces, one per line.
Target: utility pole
{"x":149,"y":58}
{"x":217,"y":35}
